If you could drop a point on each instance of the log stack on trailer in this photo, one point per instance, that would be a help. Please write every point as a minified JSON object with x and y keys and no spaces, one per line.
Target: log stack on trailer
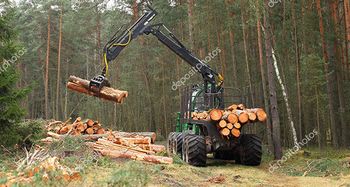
{"x":230,"y":121}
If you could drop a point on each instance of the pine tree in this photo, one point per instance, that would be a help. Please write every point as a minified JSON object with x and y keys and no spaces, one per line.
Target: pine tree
{"x":10,"y":96}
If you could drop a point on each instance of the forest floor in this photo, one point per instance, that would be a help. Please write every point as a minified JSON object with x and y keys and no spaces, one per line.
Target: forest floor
{"x":308,"y":168}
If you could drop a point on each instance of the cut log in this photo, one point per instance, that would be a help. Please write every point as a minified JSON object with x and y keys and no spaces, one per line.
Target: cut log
{"x":85,"y":137}
{"x":241,"y":107}
{"x":202,"y":115}
{"x":104,"y":143}
{"x":243,"y":116}
{"x":75,"y":132}
{"x":89,"y":131}
{"x":96,"y":127}
{"x":260,"y":113}
{"x":151,"y":135}
{"x":215,"y":114}
{"x":194,"y":114}
{"x":235,"y":132}
{"x":232,"y":107}
{"x":81,"y":127}
{"x":225,"y":131}
{"x":252,"y":116}
{"x":237,"y":125}
{"x":230,"y":117}
{"x":229,"y":126}
{"x":222,"y":123}
{"x":90,"y":123}
{"x":135,"y":156}
{"x":107,"y":93}
{"x":101,"y":131}
{"x":131,"y":141}
{"x":66,"y":129}
{"x":152,"y":147}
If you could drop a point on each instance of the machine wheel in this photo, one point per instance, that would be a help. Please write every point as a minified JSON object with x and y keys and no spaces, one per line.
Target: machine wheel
{"x":170,"y":144}
{"x":249,"y":150}
{"x":178,"y":141}
{"x":194,"y":150}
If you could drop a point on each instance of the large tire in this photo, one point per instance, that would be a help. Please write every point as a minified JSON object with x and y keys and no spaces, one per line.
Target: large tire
{"x":249,"y":150}
{"x":170,"y":144}
{"x":195,"y":150}
{"x":178,"y":141}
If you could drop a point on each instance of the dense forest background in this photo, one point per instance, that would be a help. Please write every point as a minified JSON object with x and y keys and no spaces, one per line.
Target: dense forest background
{"x":310,"y":41}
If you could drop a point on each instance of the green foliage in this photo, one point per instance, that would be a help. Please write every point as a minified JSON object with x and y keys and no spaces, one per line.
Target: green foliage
{"x":329,"y":162}
{"x":10,"y":95}
{"x":23,"y":133}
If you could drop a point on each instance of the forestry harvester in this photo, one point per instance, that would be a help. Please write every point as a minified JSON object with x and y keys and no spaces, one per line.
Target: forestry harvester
{"x":194,"y":138}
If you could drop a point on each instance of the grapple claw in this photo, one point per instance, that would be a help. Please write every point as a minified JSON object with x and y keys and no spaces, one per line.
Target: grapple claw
{"x":98,"y":82}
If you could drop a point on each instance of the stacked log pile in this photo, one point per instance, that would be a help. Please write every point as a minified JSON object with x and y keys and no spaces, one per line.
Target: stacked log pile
{"x":114,"y":144}
{"x":230,"y":121}
{"x":130,"y":146}
{"x":86,"y":129}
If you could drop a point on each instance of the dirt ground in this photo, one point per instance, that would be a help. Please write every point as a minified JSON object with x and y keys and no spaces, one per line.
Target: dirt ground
{"x":217,"y":173}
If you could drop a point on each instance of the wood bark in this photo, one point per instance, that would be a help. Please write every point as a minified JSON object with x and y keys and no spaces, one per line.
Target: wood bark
{"x":107,"y":93}
{"x":59,"y":65}
{"x":328,"y":76}
{"x":136,"y":156}
{"x":286,"y":99}
{"x":276,"y":137}
{"x":86,"y":137}
{"x":263,"y":79}
{"x":151,"y":135}
{"x":346,"y":6}
{"x":246,"y":55}
{"x":47,"y":67}
{"x":339,"y":72}
{"x":297,"y":62}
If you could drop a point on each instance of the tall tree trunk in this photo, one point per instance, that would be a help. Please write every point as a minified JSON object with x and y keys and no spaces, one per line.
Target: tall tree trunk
{"x":263,"y":80}
{"x":246,"y":55}
{"x":66,"y":94}
{"x":276,"y":131}
{"x":318,"y":119}
{"x":347,"y":31}
{"x":328,"y":77}
{"x":59,"y":66}
{"x":191,"y":23}
{"x":42,"y":64}
{"x":233,"y":59}
{"x":339,"y":72}
{"x":297,"y":62}
{"x":286,"y":100}
{"x":47,"y":67}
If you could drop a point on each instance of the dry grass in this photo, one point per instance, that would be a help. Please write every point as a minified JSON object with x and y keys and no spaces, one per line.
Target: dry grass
{"x":331,"y":168}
